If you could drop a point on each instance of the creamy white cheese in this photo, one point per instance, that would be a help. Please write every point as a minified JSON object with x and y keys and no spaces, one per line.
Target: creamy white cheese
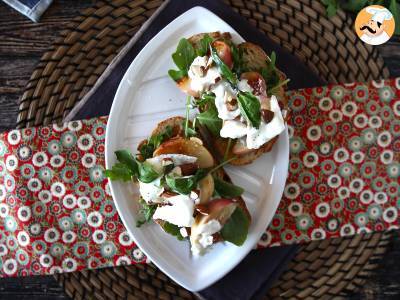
{"x":180,"y":212}
{"x":201,"y":236}
{"x":183,"y":232}
{"x":151,"y":191}
{"x":201,"y":81}
{"x":244,"y":86}
{"x":223,"y":93}
{"x":177,"y":159}
{"x":255,"y":138}
{"x":266,"y":132}
{"x":233,"y":129}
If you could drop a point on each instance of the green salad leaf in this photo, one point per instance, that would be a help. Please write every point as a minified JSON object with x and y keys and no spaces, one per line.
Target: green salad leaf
{"x":237,"y":54}
{"x":270,"y":73}
{"x":183,"y":58}
{"x":184,"y":185}
{"x":176,"y":74}
{"x":223,"y":68}
{"x":250,"y":108}
{"x":184,"y":55}
{"x":227,"y":189}
{"x":209,"y":118}
{"x":119,"y":171}
{"x":205,"y":98}
{"x":129,"y":167}
{"x":188,"y":131}
{"x":147,"y":149}
{"x":147,"y":173}
{"x":125,"y":157}
{"x":181,"y":185}
{"x":204,"y":45}
{"x":173,"y":230}
{"x":237,"y":227}
{"x":146,"y":212}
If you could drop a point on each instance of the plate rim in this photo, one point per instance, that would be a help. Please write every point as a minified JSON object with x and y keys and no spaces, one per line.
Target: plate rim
{"x":109,"y":159}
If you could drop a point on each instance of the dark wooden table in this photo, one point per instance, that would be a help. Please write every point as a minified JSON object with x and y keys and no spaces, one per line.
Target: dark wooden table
{"x":22,"y":43}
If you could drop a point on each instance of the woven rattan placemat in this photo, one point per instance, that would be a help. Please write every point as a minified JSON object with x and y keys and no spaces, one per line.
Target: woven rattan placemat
{"x":328,"y":46}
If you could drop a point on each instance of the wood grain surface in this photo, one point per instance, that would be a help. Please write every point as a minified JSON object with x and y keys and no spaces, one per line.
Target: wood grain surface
{"x":23,"y":42}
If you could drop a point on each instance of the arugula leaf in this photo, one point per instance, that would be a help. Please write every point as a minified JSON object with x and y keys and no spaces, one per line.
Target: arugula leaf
{"x":395,"y":10}
{"x":173,"y":230}
{"x":204,"y":45}
{"x":181,"y":185}
{"x":275,"y":89}
{"x":250,"y":108}
{"x":125,"y":169}
{"x":209,"y":118}
{"x":177,"y":74}
{"x":147,"y":149}
{"x":183,"y":58}
{"x":125,"y":157}
{"x":184,"y":185}
{"x":206,"y":98}
{"x":237,"y":54}
{"x":147,"y":212}
{"x":223,"y":68}
{"x":270,"y":73}
{"x":184,"y":55}
{"x":129,"y":167}
{"x":227,"y":189}
{"x":236,"y":229}
{"x":188,"y":131}
{"x":119,"y":171}
{"x":147,"y":173}
{"x":200,"y":174}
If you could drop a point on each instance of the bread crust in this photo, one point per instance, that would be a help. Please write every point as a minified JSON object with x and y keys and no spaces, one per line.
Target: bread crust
{"x":255,"y":59}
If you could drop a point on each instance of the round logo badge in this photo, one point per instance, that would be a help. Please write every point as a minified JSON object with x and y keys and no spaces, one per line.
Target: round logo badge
{"x":374,"y":25}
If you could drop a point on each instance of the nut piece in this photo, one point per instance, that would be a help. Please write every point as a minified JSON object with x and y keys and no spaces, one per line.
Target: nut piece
{"x":267,"y":115}
{"x":198,"y":70}
{"x":168,"y":194}
{"x":188,"y":169}
{"x":232,"y":105}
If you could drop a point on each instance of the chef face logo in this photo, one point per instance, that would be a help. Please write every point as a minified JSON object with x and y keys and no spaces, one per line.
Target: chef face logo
{"x":374,"y":25}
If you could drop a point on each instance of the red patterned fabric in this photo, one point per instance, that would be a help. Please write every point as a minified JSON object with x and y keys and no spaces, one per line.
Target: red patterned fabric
{"x":344,"y":170}
{"x":57,"y":215}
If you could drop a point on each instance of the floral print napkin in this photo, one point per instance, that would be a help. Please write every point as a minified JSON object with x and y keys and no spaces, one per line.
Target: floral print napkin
{"x":57,"y":214}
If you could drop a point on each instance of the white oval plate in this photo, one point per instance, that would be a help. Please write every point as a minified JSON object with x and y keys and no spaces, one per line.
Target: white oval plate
{"x":145,"y":96}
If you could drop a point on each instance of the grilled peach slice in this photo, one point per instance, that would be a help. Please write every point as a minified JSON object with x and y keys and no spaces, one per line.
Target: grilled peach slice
{"x":191,"y":147}
{"x":224,"y":52}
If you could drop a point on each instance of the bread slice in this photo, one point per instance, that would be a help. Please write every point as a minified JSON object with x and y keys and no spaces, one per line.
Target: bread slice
{"x":254,"y":58}
{"x":177,"y":125}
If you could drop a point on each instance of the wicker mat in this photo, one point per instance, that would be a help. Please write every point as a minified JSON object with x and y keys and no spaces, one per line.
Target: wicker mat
{"x":328,"y":46}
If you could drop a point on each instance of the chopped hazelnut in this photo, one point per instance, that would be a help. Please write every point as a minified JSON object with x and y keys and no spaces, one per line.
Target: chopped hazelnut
{"x":188,"y":169}
{"x":232,"y":105}
{"x":267,"y":115}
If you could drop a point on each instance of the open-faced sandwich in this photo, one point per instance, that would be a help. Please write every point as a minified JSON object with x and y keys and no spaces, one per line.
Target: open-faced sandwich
{"x":238,"y":90}
{"x":182,"y":189}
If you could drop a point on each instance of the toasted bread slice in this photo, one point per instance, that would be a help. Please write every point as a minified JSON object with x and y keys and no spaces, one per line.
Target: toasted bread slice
{"x":177,"y":125}
{"x":254,"y":58}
